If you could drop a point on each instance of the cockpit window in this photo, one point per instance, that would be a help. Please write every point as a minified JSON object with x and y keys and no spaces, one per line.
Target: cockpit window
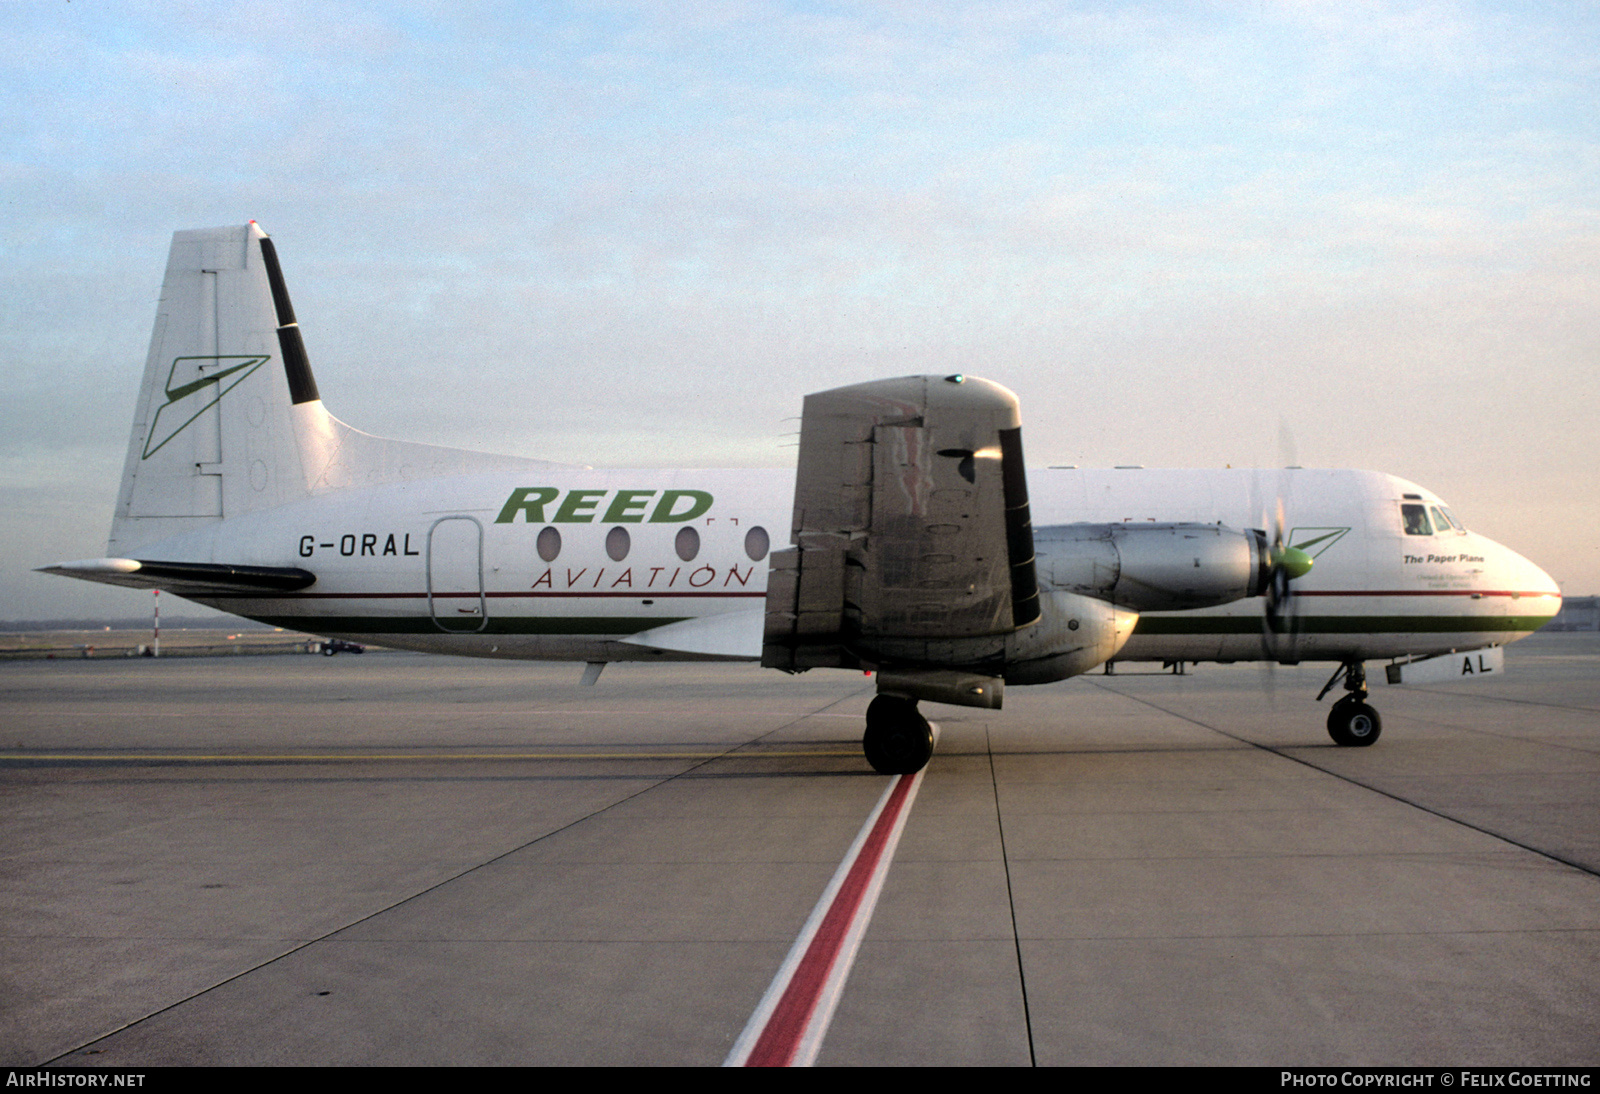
{"x":1415,"y":518}
{"x":1441,"y":523}
{"x":1455,"y":522}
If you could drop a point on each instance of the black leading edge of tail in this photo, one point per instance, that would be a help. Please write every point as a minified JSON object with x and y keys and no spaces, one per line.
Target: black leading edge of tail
{"x":296,"y":365}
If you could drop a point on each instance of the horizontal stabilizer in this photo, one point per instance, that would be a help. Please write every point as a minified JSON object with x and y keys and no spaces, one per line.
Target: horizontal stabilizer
{"x":184,"y":578}
{"x":731,"y":634}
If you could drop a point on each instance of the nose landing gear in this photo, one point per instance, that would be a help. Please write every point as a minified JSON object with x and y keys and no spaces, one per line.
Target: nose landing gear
{"x":1352,"y":723}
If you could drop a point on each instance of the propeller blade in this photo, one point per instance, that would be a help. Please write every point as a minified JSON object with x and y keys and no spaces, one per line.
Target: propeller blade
{"x":1280,"y":630}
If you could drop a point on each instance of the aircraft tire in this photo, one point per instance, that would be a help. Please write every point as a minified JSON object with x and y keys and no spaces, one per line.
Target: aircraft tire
{"x":1353,"y":724}
{"x":898,"y":740}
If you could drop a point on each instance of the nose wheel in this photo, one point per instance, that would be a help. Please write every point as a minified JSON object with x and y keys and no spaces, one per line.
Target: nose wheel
{"x":1352,"y":723}
{"x":899,"y":740}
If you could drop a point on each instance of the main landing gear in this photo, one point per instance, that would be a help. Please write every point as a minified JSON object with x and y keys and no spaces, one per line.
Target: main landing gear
{"x":898,"y":740}
{"x":1351,"y":722}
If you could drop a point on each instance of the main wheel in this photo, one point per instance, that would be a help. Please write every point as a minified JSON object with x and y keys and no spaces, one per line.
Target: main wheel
{"x":898,"y":740}
{"x":1353,"y":724}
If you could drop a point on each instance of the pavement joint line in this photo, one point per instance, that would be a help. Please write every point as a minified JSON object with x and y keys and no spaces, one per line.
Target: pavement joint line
{"x":1011,"y":901}
{"x":1504,"y":699}
{"x":655,"y":783}
{"x":112,"y":708}
{"x":578,"y":939}
{"x":7,"y":756}
{"x":1284,"y":753}
{"x":380,"y":757}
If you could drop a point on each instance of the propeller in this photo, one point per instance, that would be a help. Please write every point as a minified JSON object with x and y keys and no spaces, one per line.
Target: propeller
{"x":1280,"y":635}
{"x":1280,"y":622}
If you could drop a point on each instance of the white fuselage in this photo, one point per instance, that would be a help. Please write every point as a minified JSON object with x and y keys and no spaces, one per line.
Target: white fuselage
{"x":454,"y":563}
{"x":910,"y":539}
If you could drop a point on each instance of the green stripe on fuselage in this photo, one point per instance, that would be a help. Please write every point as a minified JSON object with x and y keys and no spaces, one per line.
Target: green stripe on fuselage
{"x":1148,"y":625}
{"x":1344,"y":624}
{"x":511,"y":624}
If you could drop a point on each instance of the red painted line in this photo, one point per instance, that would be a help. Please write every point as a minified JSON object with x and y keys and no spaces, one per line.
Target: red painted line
{"x":780,"y":1038}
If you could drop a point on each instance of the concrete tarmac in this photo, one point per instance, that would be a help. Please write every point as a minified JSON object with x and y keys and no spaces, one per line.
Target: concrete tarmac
{"x":398,"y":859}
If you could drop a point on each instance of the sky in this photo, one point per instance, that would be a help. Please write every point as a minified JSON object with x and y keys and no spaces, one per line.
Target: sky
{"x":1352,"y":234}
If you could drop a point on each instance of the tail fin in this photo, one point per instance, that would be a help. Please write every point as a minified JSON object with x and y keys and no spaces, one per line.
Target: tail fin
{"x":227,"y":398}
{"x":229,"y":420}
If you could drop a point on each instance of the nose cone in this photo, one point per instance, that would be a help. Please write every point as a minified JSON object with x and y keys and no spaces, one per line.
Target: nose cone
{"x":1535,"y":597}
{"x":1293,"y":561}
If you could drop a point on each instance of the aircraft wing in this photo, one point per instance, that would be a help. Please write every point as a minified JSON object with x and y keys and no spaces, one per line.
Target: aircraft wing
{"x":184,"y":578}
{"x":728,"y":634}
{"x":911,"y":529}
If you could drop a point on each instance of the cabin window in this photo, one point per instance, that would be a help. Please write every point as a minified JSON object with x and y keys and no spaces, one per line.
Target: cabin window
{"x":617,"y":543}
{"x":756,"y":543}
{"x":548,"y":543}
{"x":1415,"y":518}
{"x":687,"y":543}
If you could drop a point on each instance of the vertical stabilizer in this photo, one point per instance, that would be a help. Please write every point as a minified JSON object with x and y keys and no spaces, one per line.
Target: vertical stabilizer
{"x":229,"y":420}
{"x":224,"y":413}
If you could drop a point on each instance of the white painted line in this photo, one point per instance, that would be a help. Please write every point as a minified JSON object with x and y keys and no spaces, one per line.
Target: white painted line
{"x":788,"y":1025}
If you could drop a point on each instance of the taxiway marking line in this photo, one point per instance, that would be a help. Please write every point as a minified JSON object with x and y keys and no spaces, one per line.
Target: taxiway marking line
{"x":788,"y":1025}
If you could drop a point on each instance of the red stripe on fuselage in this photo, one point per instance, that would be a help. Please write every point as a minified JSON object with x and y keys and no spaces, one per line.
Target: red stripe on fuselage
{"x":637,"y":594}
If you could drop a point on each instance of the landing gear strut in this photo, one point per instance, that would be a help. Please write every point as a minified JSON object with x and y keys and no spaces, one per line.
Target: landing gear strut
{"x":1351,"y":722}
{"x":898,"y":740}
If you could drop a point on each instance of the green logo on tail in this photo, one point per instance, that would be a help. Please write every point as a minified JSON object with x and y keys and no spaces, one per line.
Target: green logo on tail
{"x":186,"y":401}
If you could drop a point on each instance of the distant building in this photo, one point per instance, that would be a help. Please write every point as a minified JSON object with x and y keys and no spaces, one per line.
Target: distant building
{"x":1578,"y":613}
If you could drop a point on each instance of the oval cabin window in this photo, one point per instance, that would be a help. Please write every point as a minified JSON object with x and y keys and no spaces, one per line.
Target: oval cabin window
{"x":548,"y":544}
{"x":756,"y":543}
{"x":687,"y":544}
{"x":617,"y":543}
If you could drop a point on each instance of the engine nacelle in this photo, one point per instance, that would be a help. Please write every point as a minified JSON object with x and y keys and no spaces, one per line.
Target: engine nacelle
{"x":1154,"y":567}
{"x":1073,"y":635}
{"x":1095,"y":579}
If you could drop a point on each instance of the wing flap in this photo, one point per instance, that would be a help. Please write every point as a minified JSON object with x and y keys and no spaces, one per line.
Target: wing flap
{"x":910,"y":523}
